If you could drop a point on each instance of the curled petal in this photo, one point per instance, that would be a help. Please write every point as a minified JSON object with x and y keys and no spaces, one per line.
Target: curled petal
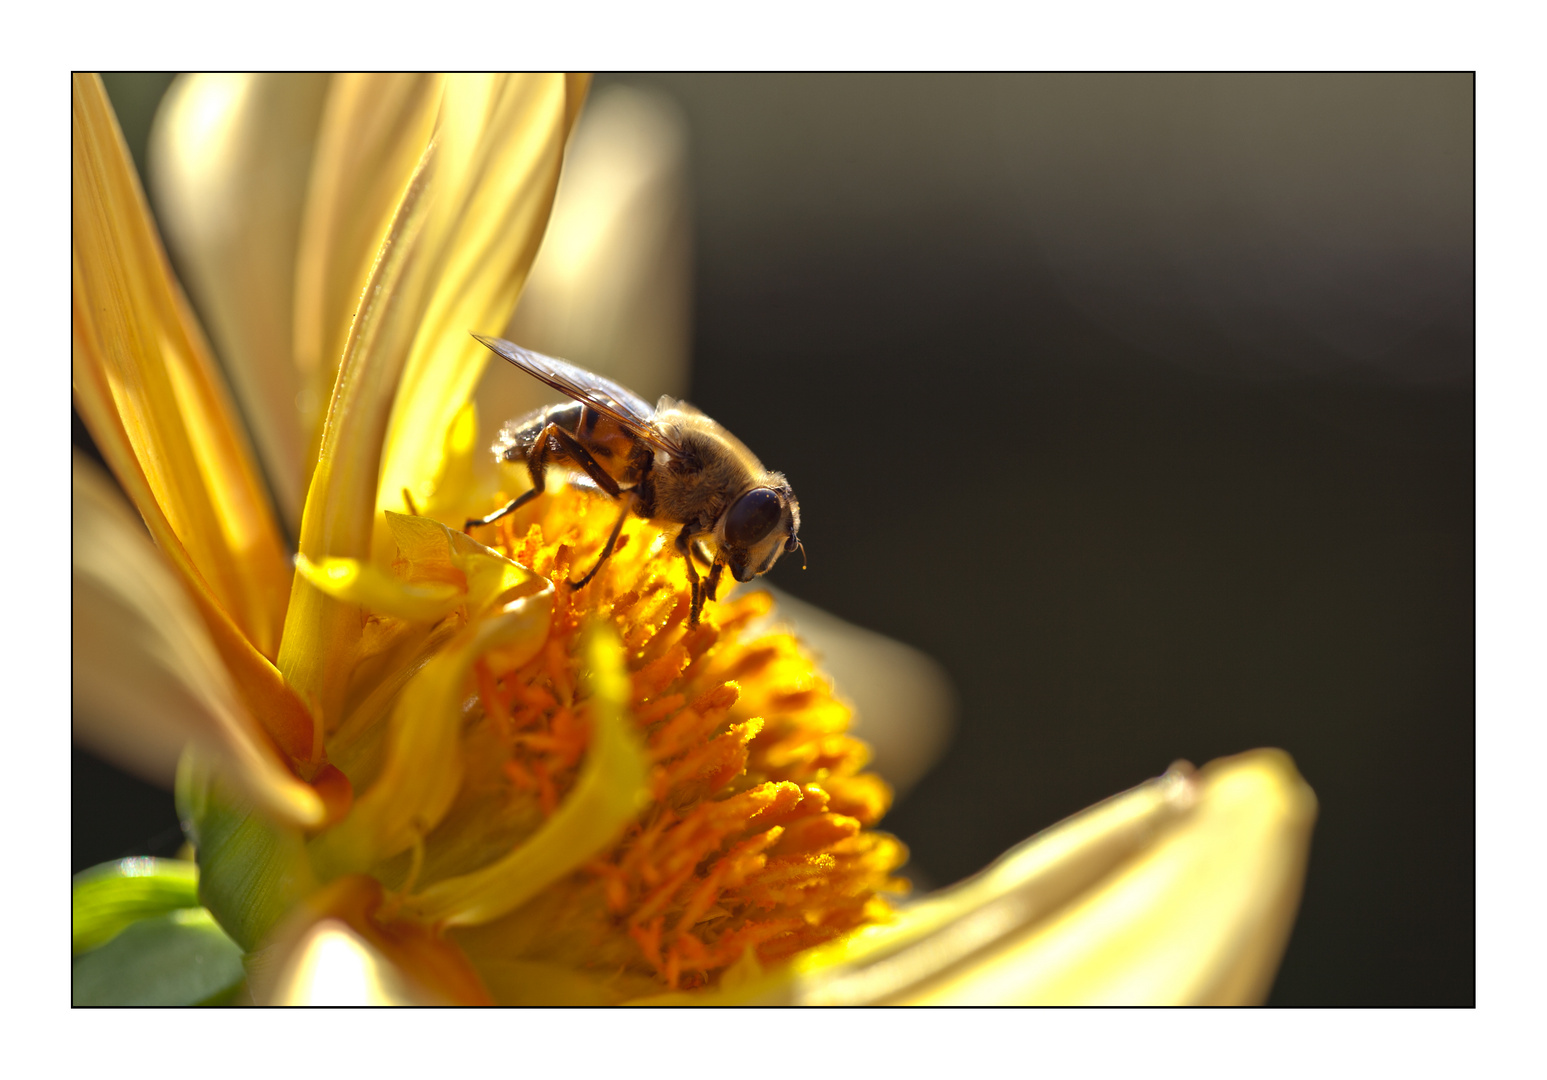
{"x":458,"y":246}
{"x":152,"y":397}
{"x":356,"y":582}
{"x":229,"y":159}
{"x":422,"y":768}
{"x":607,"y":795}
{"x":146,"y":678}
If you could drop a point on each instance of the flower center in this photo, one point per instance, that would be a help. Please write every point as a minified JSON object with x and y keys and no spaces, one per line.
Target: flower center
{"x":755,"y":842}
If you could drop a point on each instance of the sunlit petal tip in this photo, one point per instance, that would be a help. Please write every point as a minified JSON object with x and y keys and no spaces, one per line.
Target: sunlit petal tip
{"x":333,"y":965}
{"x":344,"y":946}
{"x":1199,"y":914}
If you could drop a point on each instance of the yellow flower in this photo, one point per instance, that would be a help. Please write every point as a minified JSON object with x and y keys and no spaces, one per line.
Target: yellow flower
{"x":423,"y":767}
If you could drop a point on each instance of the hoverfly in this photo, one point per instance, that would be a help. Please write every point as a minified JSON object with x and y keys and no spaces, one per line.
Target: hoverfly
{"x":670,"y":464}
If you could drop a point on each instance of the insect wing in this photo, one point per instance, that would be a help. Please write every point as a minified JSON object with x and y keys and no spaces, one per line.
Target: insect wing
{"x":605,"y":396}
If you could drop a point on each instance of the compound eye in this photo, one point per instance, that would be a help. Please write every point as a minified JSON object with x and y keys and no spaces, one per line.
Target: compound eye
{"x":753,"y":516}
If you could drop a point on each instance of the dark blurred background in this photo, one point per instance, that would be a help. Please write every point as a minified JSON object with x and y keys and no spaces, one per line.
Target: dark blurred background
{"x":1142,"y":403}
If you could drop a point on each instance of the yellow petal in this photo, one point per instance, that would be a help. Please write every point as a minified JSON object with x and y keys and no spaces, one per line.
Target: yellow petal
{"x":374,"y":130}
{"x":230,"y":155}
{"x":149,"y":392}
{"x":145,"y":677}
{"x":435,"y":551}
{"x":379,"y":592}
{"x":607,"y":795}
{"x":491,"y":577}
{"x":321,"y":632}
{"x":469,"y":476}
{"x":611,"y":288}
{"x":1180,"y":891}
{"x":501,"y":140}
{"x":155,"y":405}
{"x":461,"y":238}
{"x":422,"y":769}
{"x":1201,"y":918}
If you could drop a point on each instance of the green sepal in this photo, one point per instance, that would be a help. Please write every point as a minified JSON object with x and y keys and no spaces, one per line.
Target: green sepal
{"x":252,"y":870}
{"x":107,"y":898}
{"x":178,"y":958}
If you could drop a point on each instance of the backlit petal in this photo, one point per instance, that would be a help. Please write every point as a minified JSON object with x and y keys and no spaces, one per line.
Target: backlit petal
{"x":501,"y":140}
{"x":146,"y":679}
{"x":1201,"y":918}
{"x":612,"y":284}
{"x":230,"y":155}
{"x":333,"y":965}
{"x":374,"y":130}
{"x":320,"y":631}
{"x":156,"y":405}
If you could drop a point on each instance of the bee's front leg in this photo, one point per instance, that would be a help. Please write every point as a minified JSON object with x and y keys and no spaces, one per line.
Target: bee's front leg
{"x":552,"y":444}
{"x":611,"y":543}
{"x":712,"y":586}
{"x":684,"y":539}
{"x":513,"y":505}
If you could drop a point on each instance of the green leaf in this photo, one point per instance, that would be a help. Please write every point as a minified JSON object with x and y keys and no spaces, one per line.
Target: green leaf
{"x":180,"y":958}
{"x":107,"y":898}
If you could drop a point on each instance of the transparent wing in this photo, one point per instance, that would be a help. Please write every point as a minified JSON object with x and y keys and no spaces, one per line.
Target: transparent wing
{"x":605,"y":396}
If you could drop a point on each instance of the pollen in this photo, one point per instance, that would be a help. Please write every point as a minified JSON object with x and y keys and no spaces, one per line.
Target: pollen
{"x":757,"y":839}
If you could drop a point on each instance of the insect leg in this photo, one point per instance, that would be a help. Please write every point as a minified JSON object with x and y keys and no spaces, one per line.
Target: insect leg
{"x":713,"y":584}
{"x":552,"y":442}
{"x":606,"y":551}
{"x":519,"y":501}
{"x":684,"y":538}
